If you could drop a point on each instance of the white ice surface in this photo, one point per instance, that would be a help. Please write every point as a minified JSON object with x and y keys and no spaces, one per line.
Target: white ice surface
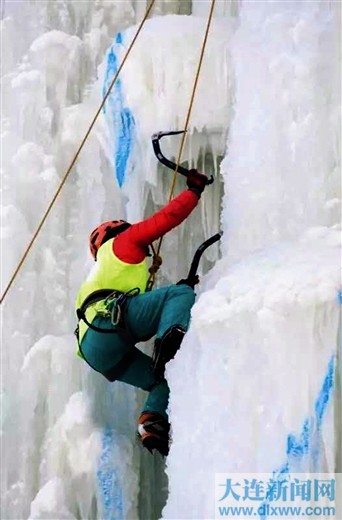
{"x":264,"y":330}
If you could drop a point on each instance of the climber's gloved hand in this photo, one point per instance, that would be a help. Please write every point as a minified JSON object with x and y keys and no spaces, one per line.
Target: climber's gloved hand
{"x":196,"y":181}
{"x":191,"y":282}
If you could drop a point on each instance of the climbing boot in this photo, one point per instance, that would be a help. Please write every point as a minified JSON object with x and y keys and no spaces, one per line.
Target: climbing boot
{"x":165,"y":348}
{"x":153,"y":431}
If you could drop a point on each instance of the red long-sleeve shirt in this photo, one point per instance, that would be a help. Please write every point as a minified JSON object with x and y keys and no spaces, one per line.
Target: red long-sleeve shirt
{"x":131,"y":245}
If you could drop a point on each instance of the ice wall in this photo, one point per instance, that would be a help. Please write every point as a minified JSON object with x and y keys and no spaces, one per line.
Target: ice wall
{"x":260,"y":390}
{"x":60,"y":436}
{"x":69,"y":449}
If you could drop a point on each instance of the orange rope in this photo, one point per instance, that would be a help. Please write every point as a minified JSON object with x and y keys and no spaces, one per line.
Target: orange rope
{"x":152,"y":276}
{"x":66,"y":175}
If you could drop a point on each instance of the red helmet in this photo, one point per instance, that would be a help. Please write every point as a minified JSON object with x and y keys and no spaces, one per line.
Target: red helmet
{"x":104,"y":232}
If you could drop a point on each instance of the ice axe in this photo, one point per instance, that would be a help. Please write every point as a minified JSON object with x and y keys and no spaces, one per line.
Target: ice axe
{"x":167,"y":162}
{"x":199,"y":252}
{"x":192,"y":278}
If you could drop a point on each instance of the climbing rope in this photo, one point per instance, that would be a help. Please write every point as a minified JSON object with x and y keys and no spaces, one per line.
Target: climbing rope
{"x":66,"y":175}
{"x":156,"y":253}
{"x":156,"y":262}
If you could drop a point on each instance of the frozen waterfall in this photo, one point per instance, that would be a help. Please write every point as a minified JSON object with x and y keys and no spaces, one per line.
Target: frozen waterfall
{"x":256,"y":386}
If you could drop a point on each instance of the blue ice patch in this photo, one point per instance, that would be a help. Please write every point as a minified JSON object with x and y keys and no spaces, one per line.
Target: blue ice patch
{"x":339,"y":297}
{"x":120,"y":117}
{"x":307,"y":443}
{"x":107,"y":480}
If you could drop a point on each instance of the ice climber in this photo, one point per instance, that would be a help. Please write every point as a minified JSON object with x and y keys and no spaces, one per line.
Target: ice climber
{"x":118,"y":313}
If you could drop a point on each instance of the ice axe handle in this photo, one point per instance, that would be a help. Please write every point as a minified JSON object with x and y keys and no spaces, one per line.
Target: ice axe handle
{"x":199,"y":253}
{"x":158,"y":153}
{"x":167,"y":162}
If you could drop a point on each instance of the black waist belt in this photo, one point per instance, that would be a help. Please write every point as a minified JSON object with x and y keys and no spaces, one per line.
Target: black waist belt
{"x":95,"y":297}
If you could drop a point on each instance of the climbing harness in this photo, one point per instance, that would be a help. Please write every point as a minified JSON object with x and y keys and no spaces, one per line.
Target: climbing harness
{"x":118,"y":301}
{"x":66,"y":175}
{"x":109,"y":297}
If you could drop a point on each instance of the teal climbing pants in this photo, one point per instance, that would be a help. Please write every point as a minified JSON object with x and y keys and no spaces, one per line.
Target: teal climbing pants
{"x":145,"y":315}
